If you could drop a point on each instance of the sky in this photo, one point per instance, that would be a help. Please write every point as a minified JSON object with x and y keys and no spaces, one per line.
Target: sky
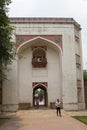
{"x":76,"y":9}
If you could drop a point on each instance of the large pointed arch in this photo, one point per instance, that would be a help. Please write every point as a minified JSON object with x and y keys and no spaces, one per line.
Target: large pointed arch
{"x":27,"y":48}
{"x":38,"y":38}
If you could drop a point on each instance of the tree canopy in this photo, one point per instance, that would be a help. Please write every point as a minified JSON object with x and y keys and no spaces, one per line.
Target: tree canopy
{"x":85,"y":73}
{"x":6,"y":45}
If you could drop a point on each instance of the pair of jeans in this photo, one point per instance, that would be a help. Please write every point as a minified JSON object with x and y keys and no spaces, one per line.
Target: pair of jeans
{"x":58,"y":110}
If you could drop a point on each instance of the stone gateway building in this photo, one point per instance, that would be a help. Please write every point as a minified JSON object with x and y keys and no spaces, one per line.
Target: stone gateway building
{"x":48,"y":60}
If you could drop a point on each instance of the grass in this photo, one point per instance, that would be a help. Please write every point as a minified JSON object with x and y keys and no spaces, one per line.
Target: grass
{"x":81,"y":118}
{"x":3,"y":120}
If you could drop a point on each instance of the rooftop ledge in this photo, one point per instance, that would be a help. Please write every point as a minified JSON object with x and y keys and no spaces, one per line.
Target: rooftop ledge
{"x":44,"y":20}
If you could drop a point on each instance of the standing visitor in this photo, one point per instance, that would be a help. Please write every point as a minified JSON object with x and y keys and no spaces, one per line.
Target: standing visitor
{"x":58,"y":107}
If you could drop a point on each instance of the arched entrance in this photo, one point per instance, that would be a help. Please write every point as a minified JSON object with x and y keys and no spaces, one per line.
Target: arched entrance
{"x":40,"y":92}
{"x":41,"y":60}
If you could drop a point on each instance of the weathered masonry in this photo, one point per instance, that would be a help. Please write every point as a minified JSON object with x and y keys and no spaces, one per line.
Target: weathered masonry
{"x":48,"y":60}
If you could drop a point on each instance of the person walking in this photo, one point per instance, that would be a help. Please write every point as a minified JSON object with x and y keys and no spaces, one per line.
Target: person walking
{"x":58,"y":107}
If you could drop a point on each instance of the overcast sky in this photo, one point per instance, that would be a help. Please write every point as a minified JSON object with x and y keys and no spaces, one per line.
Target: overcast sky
{"x":76,"y":9}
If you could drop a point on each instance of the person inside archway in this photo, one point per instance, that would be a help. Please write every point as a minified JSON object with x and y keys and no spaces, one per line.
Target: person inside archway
{"x":37,"y":102}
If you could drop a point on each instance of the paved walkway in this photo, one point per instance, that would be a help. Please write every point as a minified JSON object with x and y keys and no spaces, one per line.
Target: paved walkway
{"x":43,"y":120}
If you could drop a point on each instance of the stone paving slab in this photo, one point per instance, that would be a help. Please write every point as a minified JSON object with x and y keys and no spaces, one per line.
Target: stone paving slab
{"x":43,"y":120}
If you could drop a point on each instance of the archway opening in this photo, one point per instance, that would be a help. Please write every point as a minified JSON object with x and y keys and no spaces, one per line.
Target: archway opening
{"x":40,"y":94}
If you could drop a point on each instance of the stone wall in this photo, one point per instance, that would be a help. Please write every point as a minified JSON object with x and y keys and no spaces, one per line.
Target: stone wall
{"x":85,"y":90}
{"x":24,"y":106}
{"x":0,"y":95}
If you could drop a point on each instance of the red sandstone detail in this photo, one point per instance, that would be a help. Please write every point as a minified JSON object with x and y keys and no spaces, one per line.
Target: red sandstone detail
{"x":23,"y":38}
{"x":37,"y":83}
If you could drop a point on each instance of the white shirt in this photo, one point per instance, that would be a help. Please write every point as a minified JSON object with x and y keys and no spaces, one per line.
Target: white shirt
{"x":58,"y":104}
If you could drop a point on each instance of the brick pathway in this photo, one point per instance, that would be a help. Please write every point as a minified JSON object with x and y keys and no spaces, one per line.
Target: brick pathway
{"x":43,"y":120}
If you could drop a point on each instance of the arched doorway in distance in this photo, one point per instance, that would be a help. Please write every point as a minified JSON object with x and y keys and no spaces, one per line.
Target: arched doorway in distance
{"x":40,"y":92}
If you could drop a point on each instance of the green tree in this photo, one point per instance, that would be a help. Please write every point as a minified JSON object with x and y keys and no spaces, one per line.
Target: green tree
{"x":6,"y":45}
{"x":41,"y":94}
{"x":85,"y":73}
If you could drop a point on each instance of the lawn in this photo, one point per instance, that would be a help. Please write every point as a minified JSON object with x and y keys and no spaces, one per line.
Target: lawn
{"x":81,"y":118}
